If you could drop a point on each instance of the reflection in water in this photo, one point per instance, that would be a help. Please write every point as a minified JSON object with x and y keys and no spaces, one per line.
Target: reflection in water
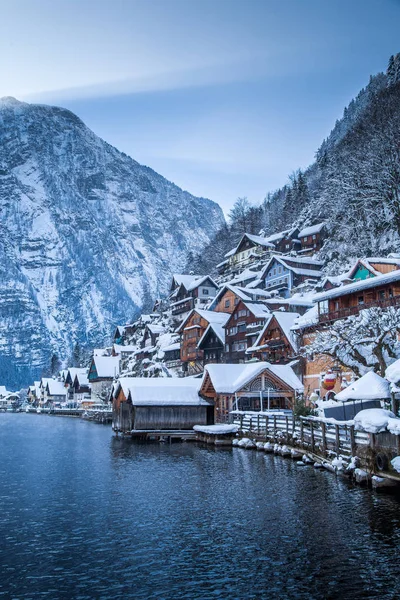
{"x":86,"y":515}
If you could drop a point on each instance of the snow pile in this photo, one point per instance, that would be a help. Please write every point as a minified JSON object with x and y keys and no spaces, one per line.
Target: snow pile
{"x":395,"y":462}
{"x":374,"y":420}
{"x":369,"y":387}
{"x":216,"y":429}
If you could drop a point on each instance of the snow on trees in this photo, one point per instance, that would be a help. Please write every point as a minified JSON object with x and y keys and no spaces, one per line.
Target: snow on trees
{"x":363,"y":342}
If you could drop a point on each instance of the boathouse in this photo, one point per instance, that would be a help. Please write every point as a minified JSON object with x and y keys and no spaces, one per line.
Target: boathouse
{"x":256,"y":386}
{"x":143,"y":404}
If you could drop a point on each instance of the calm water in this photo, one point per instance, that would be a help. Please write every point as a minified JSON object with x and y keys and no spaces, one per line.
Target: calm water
{"x":86,"y":515}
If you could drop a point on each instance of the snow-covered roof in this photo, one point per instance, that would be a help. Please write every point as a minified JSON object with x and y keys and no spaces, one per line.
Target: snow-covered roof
{"x":209,"y":315}
{"x":256,"y":239}
{"x":392,"y":373}
{"x":285,"y":321}
{"x":118,"y":348}
{"x":200,"y":281}
{"x":245,"y":275}
{"x":154,"y":329}
{"x":311,"y":230}
{"x":238,"y":291}
{"x":185,"y":280}
{"x":82,"y":378}
{"x":275,"y":237}
{"x":285,"y":262}
{"x":230,"y":378}
{"x":55,"y":388}
{"x":217,"y":328}
{"x":309,"y":318}
{"x":369,"y":387}
{"x":172,"y":347}
{"x":260,"y":311}
{"x":106,"y":366}
{"x":358,"y":286}
{"x":162,"y":391}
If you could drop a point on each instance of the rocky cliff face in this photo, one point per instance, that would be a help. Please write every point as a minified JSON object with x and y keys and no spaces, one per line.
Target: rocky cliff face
{"x":88,"y":236}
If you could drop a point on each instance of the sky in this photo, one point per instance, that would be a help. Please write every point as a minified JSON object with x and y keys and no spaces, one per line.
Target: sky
{"x":225,"y":98}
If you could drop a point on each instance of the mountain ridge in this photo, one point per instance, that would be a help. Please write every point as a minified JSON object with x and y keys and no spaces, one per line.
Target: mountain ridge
{"x":90,"y":236}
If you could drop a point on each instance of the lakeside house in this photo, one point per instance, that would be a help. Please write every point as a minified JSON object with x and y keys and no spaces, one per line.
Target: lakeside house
{"x":164,"y":404}
{"x":276,"y":343}
{"x":102,"y":372}
{"x":242,"y":328}
{"x":252,"y":386}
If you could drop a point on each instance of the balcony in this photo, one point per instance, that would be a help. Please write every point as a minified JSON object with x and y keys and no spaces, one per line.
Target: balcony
{"x":182,"y":306}
{"x":349,"y":311}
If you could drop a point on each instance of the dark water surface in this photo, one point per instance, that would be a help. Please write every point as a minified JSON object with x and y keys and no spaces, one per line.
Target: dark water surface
{"x":86,"y":515}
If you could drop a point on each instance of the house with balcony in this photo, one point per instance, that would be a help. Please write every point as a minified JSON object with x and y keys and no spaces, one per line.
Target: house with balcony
{"x":192,"y":330}
{"x":284,"y":273}
{"x":276,"y":343}
{"x":376,"y":290}
{"x":193,"y":292}
{"x":249,"y":250}
{"x":242,"y":329}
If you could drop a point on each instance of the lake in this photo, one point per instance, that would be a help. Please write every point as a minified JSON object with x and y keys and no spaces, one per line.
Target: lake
{"x":84,"y":514}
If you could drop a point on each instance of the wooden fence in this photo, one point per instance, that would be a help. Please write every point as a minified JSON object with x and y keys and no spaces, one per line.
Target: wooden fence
{"x":308,"y":433}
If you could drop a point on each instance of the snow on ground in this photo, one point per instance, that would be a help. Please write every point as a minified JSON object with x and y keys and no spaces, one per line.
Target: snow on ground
{"x":374,"y":420}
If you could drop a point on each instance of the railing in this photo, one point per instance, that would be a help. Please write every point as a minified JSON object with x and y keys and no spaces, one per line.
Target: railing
{"x":350,"y":311}
{"x":308,"y":433}
{"x":182,"y":306}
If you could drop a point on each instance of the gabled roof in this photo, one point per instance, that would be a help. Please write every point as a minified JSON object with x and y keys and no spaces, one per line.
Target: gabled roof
{"x":308,"y":319}
{"x":369,"y":387}
{"x":230,"y":378}
{"x":72,"y":372}
{"x":256,"y":239}
{"x":209,"y":315}
{"x":107,"y":367}
{"x":285,"y":262}
{"x":238,"y":291}
{"x":259,"y":310}
{"x":55,"y":388}
{"x":162,"y":391}
{"x":362,"y":262}
{"x":82,"y":378}
{"x":276,"y":237}
{"x":185,"y":280}
{"x":197,"y":282}
{"x":217,"y":328}
{"x":359,"y":286}
{"x":311,"y":230}
{"x":285,"y":320}
{"x":245,"y":275}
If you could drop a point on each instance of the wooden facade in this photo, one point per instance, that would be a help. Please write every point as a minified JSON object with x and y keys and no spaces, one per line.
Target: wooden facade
{"x":192,"y":330}
{"x":264,"y":391}
{"x":227,"y":302}
{"x":242,"y":329}
{"x":274,"y":344}
{"x":212,"y":346}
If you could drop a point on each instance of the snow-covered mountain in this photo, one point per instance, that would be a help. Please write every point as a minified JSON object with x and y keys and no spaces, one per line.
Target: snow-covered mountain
{"x":88,"y":236}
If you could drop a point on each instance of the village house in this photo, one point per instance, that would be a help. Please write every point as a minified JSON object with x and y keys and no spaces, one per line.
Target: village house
{"x":52,"y":392}
{"x":276,"y":343}
{"x":256,"y":386}
{"x":242,"y":328}
{"x":250,"y":249}
{"x":81,"y":389}
{"x":159,"y":404}
{"x":172,"y":355}
{"x":312,"y":238}
{"x":124,"y":332}
{"x":192,"y":292}
{"x":102,"y":371}
{"x":283,"y":273}
{"x":285,"y":241}
{"x":229,"y":296}
{"x":33,"y":395}
{"x":192,"y":330}
{"x":212,"y":343}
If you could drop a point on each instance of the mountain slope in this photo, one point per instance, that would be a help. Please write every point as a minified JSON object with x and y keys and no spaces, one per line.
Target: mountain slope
{"x":89,"y":237}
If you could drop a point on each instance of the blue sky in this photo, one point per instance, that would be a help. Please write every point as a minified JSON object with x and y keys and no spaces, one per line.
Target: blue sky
{"x":225,"y":97}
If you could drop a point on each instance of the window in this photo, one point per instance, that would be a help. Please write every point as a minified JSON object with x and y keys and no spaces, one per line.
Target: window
{"x":270,"y":274}
{"x":236,"y":301}
{"x":314,"y":237}
{"x":274,"y":271}
{"x":227,"y":303}
{"x":381,"y":295}
{"x":287,"y":246}
{"x":279,"y":269}
{"x":323,"y":307}
{"x":390,"y":293}
{"x":241,"y":328}
{"x":360,"y":300}
{"x":205,"y":292}
{"x":226,"y":347}
{"x":233,"y":330}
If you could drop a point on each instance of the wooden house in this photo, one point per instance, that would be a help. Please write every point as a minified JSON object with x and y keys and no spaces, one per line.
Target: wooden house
{"x":250,"y":249}
{"x":212,"y":344}
{"x":284,"y":273}
{"x":347,"y":300}
{"x":54,"y":392}
{"x":285,"y":241}
{"x":257,"y":386}
{"x":312,"y":237}
{"x":192,"y":292}
{"x":151,"y":334}
{"x":81,"y":388}
{"x":242,"y":329}
{"x":102,"y":371}
{"x":276,"y":343}
{"x":124,"y":332}
{"x":229,"y":296}
{"x":192,"y":330}
{"x":159,"y":404}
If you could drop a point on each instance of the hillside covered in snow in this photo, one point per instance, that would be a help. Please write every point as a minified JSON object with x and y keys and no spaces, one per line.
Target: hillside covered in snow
{"x":89,"y":236}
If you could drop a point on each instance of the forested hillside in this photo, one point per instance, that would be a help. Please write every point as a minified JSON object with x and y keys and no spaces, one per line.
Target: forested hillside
{"x":353,"y":185}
